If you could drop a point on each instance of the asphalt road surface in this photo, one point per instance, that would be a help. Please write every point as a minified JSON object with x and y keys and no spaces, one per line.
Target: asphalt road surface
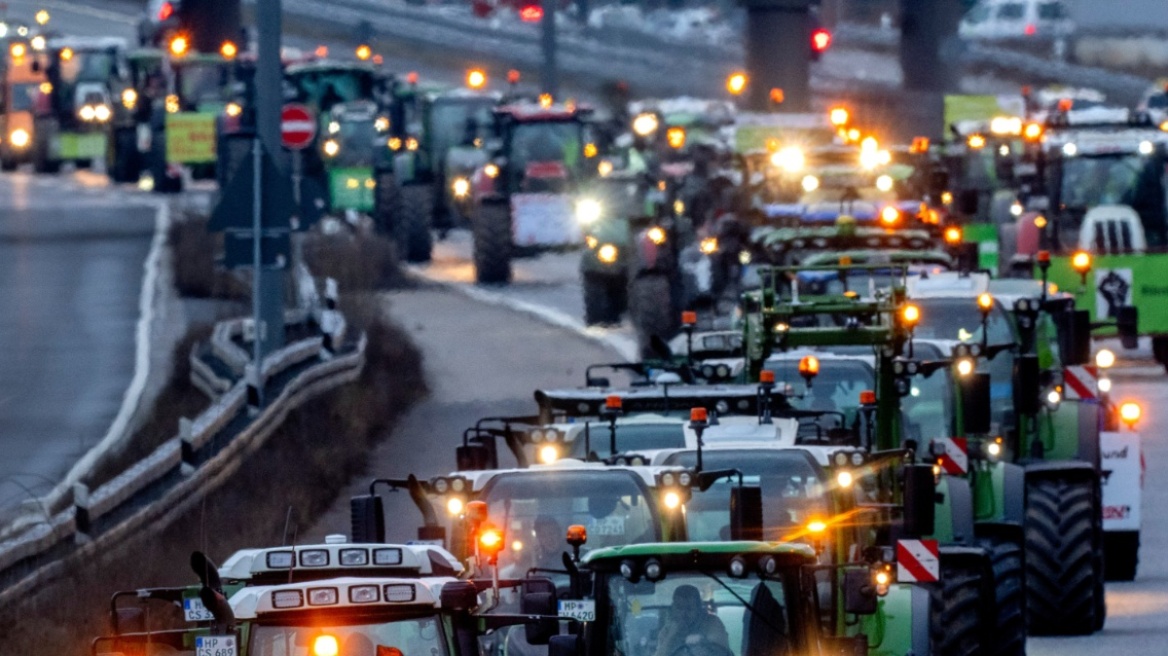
{"x":71,"y":268}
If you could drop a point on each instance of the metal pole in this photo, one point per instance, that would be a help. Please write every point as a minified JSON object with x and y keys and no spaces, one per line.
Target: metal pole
{"x":257,"y":162}
{"x":550,"y":76}
{"x":269,"y":99}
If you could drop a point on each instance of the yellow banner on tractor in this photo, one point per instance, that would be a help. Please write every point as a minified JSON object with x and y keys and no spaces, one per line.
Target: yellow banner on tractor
{"x":190,"y":138}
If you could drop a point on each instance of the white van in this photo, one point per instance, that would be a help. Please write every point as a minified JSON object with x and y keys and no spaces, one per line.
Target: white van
{"x":1016,"y":19}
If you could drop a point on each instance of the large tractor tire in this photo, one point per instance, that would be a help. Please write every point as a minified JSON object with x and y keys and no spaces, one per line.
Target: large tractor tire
{"x":386,"y":203}
{"x":605,"y":299}
{"x":42,"y":160}
{"x":1121,"y":551}
{"x":1063,"y":564}
{"x":492,"y":244}
{"x":412,"y":225}
{"x":1007,"y":632}
{"x":955,"y":615}
{"x":652,"y":310}
{"x":124,"y":159}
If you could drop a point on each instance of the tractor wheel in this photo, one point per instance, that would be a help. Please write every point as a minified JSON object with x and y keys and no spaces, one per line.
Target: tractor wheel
{"x":386,"y":204}
{"x":652,"y":310}
{"x":414,"y":240}
{"x":492,"y":244}
{"x":1063,"y":577}
{"x":1160,"y":350}
{"x":124,"y":165}
{"x":42,"y":161}
{"x":955,"y":611}
{"x":1121,"y":551}
{"x":1007,"y":633}
{"x":605,"y":298}
{"x":7,"y":163}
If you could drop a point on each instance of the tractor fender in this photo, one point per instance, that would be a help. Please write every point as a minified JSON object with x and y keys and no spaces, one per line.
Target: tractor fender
{"x":1013,"y":493}
{"x":1089,"y":433}
{"x":1073,"y":469}
{"x":960,"y":498}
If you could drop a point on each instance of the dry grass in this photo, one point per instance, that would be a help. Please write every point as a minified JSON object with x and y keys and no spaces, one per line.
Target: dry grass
{"x":302,"y":466}
{"x":196,"y":274}
{"x":358,"y":262}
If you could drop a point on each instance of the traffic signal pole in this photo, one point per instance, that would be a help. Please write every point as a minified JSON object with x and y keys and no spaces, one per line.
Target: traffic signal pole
{"x":778,"y":54}
{"x":268,"y":282}
{"x":550,"y":76}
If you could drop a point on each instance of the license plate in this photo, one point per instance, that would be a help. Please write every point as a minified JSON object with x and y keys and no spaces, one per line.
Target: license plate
{"x":216,"y":646}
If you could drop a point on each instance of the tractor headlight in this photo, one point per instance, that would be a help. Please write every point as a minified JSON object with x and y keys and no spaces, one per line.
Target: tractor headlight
{"x":19,"y":138}
{"x":460,"y":187}
{"x":129,"y":99}
{"x":332,"y":147}
{"x":607,"y":253}
{"x":102,"y":113}
{"x":588,"y":211}
{"x":86,"y":113}
{"x":810,"y":183}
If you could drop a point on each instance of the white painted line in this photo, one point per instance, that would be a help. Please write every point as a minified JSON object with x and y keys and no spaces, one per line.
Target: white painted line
{"x":133,"y":396}
{"x":625,"y":347}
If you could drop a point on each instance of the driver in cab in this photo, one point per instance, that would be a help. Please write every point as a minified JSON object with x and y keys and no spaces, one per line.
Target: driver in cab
{"x":691,"y":628}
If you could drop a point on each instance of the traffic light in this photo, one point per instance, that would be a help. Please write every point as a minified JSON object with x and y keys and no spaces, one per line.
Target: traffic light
{"x":820,"y":42}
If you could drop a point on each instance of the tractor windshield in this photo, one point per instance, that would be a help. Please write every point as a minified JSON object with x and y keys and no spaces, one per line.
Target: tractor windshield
{"x":1109,"y":180}
{"x":546,"y":142}
{"x":95,"y":66}
{"x":202,"y":82}
{"x":535,"y":509}
{"x":792,"y":492}
{"x":927,"y":411}
{"x":323,"y":89}
{"x":959,"y":319}
{"x":459,"y":122}
{"x":630,"y":438}
{"x":703,"y":614}
{"x":835,"y":391}
{"x":359,"y":635}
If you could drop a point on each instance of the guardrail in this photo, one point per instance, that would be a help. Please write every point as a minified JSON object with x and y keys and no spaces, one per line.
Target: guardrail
{"x":178,"y":473}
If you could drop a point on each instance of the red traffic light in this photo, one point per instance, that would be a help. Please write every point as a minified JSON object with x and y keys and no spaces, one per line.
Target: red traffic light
{"x":820,"y":40}
{"x":531,"y":14}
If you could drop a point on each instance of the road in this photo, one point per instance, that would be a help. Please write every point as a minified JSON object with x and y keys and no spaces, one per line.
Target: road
{"x":484,"y":354}
{"x":71,"y":267}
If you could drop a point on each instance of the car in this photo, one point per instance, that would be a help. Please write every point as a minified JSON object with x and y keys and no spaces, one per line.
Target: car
{"x":1016,"y":19}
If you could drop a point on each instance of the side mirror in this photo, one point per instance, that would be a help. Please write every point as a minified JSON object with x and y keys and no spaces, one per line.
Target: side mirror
{"x":367,"y":519}
{"x":859,"y":593}
{"x":459,"y":596}
{"x":968,"y":202}
{"x":746,"y":513}
{"x":475,"y":457}
{"x":975,"y":404}
{"x":1127,"y":321}
{"x":920,"y":494}
{"x":660,"y":348}
{"x":539,"y":598}
{"x":1026,"y":384}
{"x":1074,"y":332}
{"x":565,"y":645}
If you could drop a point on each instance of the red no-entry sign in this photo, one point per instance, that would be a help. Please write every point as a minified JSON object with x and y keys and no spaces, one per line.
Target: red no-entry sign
{"x":297,"y":126}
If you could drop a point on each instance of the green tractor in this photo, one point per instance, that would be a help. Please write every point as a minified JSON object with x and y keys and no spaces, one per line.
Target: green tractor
{"x":348,"y":154}
{"x":437,"y":140}
{"x":84,"y":75}
{"x":127,"y":152}
{"x":980,"y":518}
{"x":1102,"y":218}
